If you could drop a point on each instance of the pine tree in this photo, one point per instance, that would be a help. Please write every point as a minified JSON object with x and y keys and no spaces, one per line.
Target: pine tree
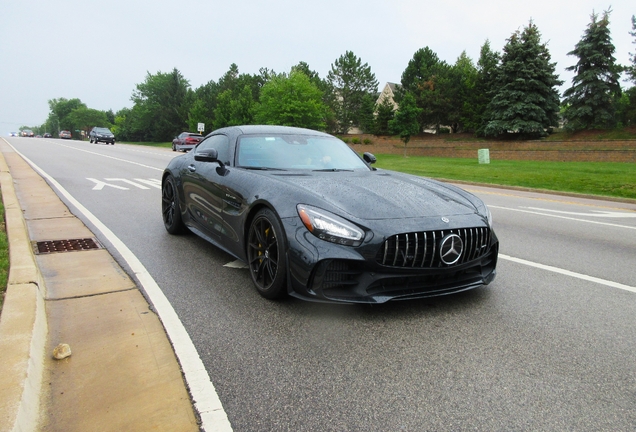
{"x":591,"y":101}
{"x":351,"y":80}
{"x":526,"y":102}
{"x":485,"y":86}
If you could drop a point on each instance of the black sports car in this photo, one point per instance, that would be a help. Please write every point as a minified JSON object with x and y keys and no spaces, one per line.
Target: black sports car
{"x":314,"y":220}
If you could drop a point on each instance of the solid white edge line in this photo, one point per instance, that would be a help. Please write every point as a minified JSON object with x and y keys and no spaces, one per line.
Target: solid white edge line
{"x":562,"y":217}
{"x":206,"y":400}
{"x":569,"y":273}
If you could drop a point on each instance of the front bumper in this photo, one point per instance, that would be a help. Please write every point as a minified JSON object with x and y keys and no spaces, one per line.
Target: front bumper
{"x":104,"y":139}
{"x":324,"y":271}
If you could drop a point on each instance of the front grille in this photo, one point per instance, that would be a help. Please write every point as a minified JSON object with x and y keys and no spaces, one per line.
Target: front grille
{"x":421,"y":249}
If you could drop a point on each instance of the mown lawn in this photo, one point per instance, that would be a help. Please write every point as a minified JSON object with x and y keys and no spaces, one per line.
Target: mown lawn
{"x":595,"y":178}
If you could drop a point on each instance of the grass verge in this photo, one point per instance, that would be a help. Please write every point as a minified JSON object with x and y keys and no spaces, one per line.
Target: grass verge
{"x":594,"y":178}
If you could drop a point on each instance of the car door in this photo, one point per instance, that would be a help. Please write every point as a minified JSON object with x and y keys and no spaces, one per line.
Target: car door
{"x":203,"y":188}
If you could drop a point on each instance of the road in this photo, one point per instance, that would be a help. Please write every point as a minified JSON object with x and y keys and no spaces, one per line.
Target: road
{"x":548,"y":346}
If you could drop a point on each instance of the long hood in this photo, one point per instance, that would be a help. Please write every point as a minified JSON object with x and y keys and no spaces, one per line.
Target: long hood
{"x":384,"y":194}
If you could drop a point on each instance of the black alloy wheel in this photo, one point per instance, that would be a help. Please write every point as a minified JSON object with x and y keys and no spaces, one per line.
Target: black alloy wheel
{"x":170,"y":210}
{"x":266,"y":255}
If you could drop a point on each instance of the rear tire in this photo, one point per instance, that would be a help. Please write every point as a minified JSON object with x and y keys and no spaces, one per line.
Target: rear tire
{"x":170,"y":209}
{"x":266,"y":255}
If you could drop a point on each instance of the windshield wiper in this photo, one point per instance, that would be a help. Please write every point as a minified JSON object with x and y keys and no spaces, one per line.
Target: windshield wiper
{"x":332,"y":170}
{"x":262,"y":168}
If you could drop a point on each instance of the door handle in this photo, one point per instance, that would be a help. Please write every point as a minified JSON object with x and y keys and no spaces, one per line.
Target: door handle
{"x":191,"y":168}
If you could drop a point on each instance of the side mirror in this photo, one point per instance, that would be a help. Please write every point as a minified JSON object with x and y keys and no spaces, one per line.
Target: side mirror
{"x":208,"y":155}
{"x":369,"y":158}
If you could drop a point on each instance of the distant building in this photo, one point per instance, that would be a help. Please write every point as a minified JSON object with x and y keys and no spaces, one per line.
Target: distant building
{"x":388,"y":93}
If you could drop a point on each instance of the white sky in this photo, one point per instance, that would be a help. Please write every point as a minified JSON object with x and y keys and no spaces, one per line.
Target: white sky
{"x":98,"y":51}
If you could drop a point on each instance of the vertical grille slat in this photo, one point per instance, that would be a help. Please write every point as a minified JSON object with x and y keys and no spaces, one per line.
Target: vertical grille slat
{"x":421,"y":249}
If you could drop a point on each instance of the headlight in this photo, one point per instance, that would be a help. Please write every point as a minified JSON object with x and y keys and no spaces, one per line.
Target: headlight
{"x":329,"y":227}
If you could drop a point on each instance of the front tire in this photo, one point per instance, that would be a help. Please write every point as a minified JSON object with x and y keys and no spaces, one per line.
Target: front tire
{"x":266,"y":255}
{"x":170,"y":209}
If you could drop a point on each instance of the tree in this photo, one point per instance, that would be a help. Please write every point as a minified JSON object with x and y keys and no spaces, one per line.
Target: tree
{"x":384,"y":114}
{"x":427,"y":79}
{"x":463,"y":80}
{"x":234,"y":107}
{"x":631,"y":69}
{"x":291,"y":101}
{"x":85,"y":119}
{"x":162,"y":103}
{"x":60,"y":109}
{"x":484,"y":90}
{"x":196,"y":115}
{"x":351,"y":80}
{"x":405,"y":123}
{"x":526,"y":102}
{"x":329,"y":96}
{"x":591,"y":101}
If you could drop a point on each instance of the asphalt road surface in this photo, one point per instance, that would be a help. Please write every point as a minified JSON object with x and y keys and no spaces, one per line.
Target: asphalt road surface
{"x":550,"y":345}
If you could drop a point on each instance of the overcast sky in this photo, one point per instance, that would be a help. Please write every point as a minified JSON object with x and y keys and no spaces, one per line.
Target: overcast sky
{"x":98,"y":51}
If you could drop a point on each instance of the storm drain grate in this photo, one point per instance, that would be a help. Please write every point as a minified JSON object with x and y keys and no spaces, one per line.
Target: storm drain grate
{"x":51,"y":246}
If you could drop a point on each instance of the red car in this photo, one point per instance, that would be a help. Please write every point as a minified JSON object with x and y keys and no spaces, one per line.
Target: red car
{"x":186,"y":141}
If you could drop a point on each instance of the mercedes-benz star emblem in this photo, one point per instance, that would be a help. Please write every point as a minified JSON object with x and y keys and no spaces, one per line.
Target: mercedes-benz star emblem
{"x":451,"y":249}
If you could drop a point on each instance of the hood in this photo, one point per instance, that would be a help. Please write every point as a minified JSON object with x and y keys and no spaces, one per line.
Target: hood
{"x":384,"y":194}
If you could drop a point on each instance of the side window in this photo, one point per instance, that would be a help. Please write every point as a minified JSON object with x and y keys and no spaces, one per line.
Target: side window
{"x":219,"y":142}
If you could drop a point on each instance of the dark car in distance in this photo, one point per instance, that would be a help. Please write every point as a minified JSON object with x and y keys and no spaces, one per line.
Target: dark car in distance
{"x":186,"y":141}
{"x":101,"y":134}
{"x":313,"y":219}
{"x":27,"y":133}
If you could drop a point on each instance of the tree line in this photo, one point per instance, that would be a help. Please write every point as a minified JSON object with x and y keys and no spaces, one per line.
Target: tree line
{"x":512,"y":93}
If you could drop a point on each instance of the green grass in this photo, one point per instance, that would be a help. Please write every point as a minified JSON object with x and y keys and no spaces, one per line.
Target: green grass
{"x":4,"y":256}
{"x":622,"y":134}
{"x":595,"y":178}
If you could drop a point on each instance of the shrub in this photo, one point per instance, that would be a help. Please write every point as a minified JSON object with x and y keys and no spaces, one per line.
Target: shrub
{"x":355,"y":141}
{"x":367,"y":141}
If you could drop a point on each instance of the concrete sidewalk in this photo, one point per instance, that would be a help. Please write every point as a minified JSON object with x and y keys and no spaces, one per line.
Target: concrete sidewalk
{"x":122,"y":374}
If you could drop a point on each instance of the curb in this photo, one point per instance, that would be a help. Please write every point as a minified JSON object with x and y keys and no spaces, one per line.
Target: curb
{"x":23,"y":325}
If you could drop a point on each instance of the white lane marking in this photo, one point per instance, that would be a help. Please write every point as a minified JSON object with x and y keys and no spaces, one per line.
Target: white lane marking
{"x":156,"y":183}
{"x":570,"y":273}
{"x":99,"y":185}
{"x":130,"y":182}
{"x":563,"y":217}
{"x":206,"y":400}
{"x":237,"y":264}
{"x":596,"y":213}
{"x":112,"y":157}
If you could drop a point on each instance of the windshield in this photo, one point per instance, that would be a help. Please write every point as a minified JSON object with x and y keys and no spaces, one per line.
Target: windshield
{"x":102,"y":130}
{"x":305,"y":152}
